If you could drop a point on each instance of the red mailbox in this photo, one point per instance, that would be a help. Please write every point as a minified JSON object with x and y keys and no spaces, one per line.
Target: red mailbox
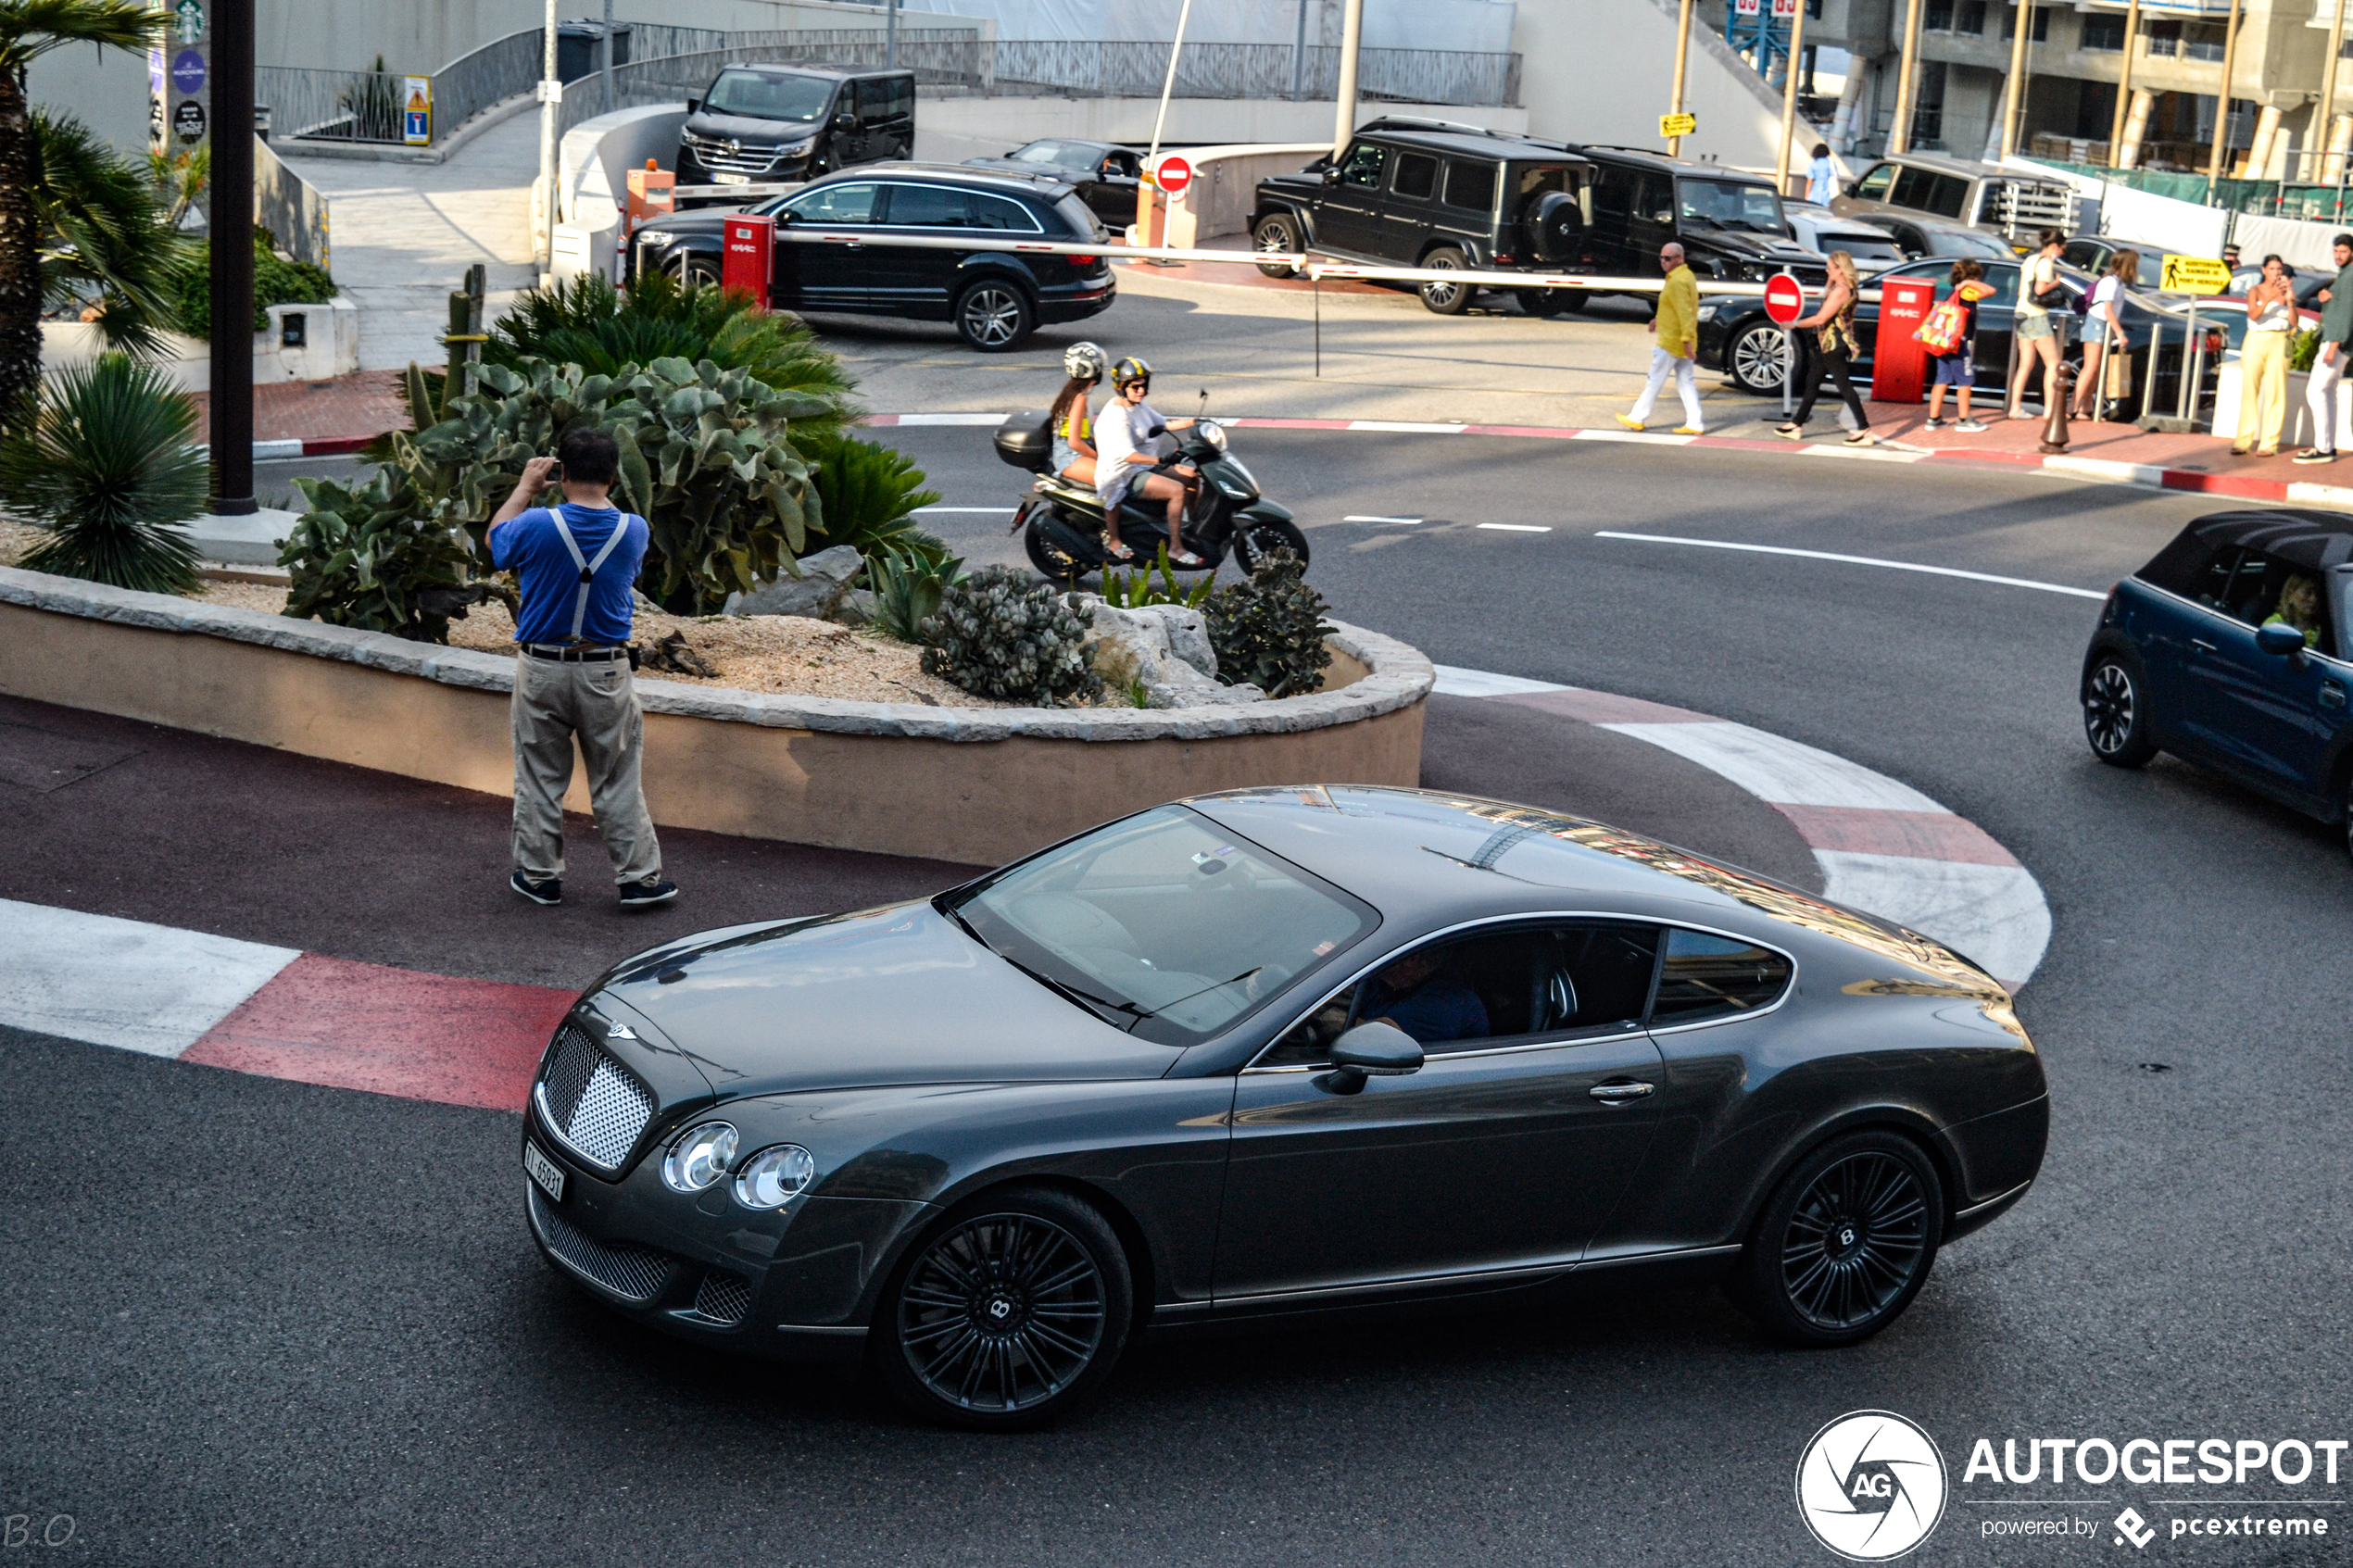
{"x":749,"y":258}
{"x":1899,"y":361}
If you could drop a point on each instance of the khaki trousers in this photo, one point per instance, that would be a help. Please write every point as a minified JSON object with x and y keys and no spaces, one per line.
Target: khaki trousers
{"x":2263,"y":392}
{"x":597,"y":704}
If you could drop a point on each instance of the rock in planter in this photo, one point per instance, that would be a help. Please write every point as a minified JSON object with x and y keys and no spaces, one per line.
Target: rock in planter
{"x":825,"y":579}
{"x":1140,"y":646}
{"x":857,"y":608}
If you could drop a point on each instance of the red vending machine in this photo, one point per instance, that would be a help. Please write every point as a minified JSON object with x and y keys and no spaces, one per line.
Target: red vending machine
{"x":1899,"y":361}
{"x":748,"y":257}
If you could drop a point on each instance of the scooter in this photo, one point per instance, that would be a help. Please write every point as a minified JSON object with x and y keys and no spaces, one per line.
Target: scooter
{"x":1061,"y":523}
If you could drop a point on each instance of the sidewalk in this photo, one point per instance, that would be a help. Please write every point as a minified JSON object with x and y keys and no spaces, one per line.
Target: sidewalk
{"x":325,"y":415}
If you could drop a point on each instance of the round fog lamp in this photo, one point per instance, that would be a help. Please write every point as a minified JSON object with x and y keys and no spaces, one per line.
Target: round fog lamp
{"x":775,"y":1176}
{"x":701,"y":1158}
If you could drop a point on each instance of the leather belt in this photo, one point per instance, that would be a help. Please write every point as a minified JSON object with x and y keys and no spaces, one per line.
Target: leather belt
{"x":574,"y":656}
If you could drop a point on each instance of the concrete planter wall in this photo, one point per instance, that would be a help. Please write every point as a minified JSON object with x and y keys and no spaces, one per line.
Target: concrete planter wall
{"x":330,"y":347}
{"x":977,"y":785}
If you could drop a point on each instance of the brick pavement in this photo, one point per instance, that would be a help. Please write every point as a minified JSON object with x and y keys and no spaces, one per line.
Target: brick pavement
{"x":365,"y":404}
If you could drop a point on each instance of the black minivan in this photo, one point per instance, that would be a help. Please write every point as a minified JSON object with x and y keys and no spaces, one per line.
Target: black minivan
{"x":755,"y":124}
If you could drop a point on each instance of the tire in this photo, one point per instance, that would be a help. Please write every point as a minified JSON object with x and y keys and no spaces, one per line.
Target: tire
{"x":1253,"y":542}
{"x":1545,"y":303}
{"x":2116,"y":718}
{"x":994,"y":316}
{"x":1758,"y":359}
{"x":1053,"y":563}
{"x":696,"y":271}
{"x":1275,"y":233}
{"x":1845,"y":1242}
{"x":1446,"y":299}
{"x":966,"y":1336}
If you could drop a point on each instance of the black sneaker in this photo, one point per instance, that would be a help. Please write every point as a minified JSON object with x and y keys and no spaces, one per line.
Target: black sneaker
{"x":549,"y":892}
{"x":653,"y":890}
{"x":2314,"y":455}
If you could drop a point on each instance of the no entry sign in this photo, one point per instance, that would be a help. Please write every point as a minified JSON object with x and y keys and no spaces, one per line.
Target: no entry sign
{"x":1172,"y":174}
{"x":1784,"y":301}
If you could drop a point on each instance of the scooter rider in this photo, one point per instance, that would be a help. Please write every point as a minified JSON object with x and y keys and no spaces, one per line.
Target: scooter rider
{"x":1071,"y":423}
{"x":1124,"y":436}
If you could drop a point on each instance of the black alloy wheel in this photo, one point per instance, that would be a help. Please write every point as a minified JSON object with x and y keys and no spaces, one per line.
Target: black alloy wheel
{"x":1758,"y":359}
{"x":696,"y":271}
{"x":994,"y":316}
{"x":2115,"y":717}
{"x":1275,"y":234}
{"x":1010,"y":1313}
{"x":1055,"y":564}
{"x":1544,"y":304}
{"x":1846,"y":1243}
{"x":1444,"y":298}
{"x":1253,"y":542}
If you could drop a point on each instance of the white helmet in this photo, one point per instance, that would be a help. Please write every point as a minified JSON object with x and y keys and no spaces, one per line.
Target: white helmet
{"x":1085,"y":361}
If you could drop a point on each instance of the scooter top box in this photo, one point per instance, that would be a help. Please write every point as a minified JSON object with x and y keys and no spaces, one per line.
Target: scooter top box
{"x":1025,"y":441}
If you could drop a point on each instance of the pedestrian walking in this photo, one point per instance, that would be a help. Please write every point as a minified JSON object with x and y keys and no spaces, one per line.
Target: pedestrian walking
{"x":1950,"y":336}
{"x":1826,"y":348}
{"x":2328,"y":366}
{"x":1822,"y":176}
{"x":578,"y":562}
{"x":2037,"y":333}
{"x":1677,"y":328}
{"x":2271,"y":322}
{"x":2104,"y":325}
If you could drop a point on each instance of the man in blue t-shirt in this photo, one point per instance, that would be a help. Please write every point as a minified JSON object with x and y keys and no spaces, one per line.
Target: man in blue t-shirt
{"x":1411,"y":994}
{"x":578,"y":563}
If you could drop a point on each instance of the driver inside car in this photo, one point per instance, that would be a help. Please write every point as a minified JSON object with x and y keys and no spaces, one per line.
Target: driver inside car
{"x":1413,"y":995}
{"x":2301,"y":607}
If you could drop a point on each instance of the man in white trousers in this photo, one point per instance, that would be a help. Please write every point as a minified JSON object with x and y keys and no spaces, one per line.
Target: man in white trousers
{"x":1676,"y":327}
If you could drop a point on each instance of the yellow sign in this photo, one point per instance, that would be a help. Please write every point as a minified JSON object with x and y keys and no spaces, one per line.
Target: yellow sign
{"x":416,"y":113}
{"x":2195,"y":274}
{"x":1677,"y":124}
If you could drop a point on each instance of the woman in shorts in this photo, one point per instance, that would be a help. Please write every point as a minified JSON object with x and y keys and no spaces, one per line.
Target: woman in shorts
{"x":2037,"y":335}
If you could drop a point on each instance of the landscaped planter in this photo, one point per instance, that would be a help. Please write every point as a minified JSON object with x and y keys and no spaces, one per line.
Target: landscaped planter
{"x":977,"y":785}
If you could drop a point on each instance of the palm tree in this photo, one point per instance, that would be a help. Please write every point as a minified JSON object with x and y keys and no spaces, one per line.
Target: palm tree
{"x":106,"y":237}
{"x":29,"y":29}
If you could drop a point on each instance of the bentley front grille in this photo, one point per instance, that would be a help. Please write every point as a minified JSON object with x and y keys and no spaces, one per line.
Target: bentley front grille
{"x":590,"y":1101}
{"x":723,"y":1298}
{"x":638,"y":1272}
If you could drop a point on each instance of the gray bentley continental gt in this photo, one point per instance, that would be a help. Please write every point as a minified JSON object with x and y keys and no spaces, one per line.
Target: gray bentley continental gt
{"x":1265,"y":1053}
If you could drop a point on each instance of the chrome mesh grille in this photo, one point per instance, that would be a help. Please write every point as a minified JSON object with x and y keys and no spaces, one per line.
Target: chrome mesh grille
{"x":592,"y":1104}
{"x":638,"y":1272}
{"x":723,"y":1298}
{"x":717,"y":156}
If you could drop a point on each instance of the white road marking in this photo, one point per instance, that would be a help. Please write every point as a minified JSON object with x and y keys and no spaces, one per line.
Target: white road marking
{"x":1994,"y":916}
{"x":1661,"y":440}
{"x":1861,"y":561}
{"x":2100,"y":468}
{"x":1400,"y":522}
{"x":123,"y":983}
{"x":1455,"y":681}
{"x":1785,"y":771}
{"x":1869,"y":454}
{"x":1517,"y":527}
{"x":999,"y":511}
{"x":952,"y":418}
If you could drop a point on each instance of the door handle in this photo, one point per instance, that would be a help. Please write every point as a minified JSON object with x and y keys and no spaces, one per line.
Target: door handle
{"x":2331,"y":695}
{"x":1620,"y":1094}
{"x":2201,"y":644}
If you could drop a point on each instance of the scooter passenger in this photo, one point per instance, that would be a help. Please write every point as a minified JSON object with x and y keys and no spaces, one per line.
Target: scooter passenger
{"x":1125,"y":435}
{"x":1070,"y":420}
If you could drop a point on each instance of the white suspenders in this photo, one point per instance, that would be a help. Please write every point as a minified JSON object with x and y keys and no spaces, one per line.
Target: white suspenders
{"x":588,"y":568}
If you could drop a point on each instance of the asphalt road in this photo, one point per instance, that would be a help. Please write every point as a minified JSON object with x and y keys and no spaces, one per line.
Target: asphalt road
{"x":255,"y":1321}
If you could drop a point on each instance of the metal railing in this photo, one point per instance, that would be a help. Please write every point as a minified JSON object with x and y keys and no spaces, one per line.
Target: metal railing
{"x":499,"y":71}
{"x":334,"y":105}
{"x":1078,"y":69}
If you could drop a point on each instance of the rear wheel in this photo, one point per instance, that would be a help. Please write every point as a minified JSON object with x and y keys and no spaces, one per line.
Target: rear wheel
{"x":1846,"y":1243}
{"x":1253,"y":542}
{"x":1055,"y":564}
{"x":994,"y":316}
{"x":1444,"y":298}
{"x":1275,"y":234}
{"x":2116,"y":712}
{"x":1758,"y":359}
{"x":1011,"y":1312}
{"x":1548,"y":303}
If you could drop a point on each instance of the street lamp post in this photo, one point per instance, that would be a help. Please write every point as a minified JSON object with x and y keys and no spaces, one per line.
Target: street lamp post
{"x":2323,"y":129}
{"x":1899,"y":135}
{"x":1789,"y":102}
{"x":550,"y":102}
{"x":2223,"y":99}
{"x":2014,"y":94}
{"x":1682,"y":55}
{"x":232,"y":234}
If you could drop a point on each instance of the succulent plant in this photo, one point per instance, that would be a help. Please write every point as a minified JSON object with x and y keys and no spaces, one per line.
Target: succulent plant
{"x":103,"y":464}
{"x":1003,"y":634}
{"x":1269,"y":632}
{"x":367,"y":555}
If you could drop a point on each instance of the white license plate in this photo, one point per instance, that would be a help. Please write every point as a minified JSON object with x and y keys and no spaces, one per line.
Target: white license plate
{"x":731,"y":179}
{"x":545,"y":1171}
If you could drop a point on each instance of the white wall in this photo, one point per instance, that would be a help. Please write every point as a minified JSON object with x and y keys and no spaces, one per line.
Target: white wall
{"x":108,"y":92}
{"x":950,"y":130}
{"x":1483,"y":26}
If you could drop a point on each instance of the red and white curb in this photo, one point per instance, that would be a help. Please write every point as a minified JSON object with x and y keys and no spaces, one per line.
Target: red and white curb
{"x":2147,"y":476}
{"x":305,"y":446}
{"x":1884,"y":848}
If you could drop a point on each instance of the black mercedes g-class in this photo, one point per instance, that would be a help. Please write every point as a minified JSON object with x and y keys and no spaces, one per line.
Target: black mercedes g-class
{"x":1427,"y":193}
{"x":1729,"y":224}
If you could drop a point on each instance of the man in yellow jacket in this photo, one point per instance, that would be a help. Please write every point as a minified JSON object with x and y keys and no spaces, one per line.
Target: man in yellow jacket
{"x":1677,"y":326}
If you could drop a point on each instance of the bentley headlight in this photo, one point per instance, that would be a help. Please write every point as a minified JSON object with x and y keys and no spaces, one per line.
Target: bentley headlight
{"x":701,"y":1158}
{"x":775,"y":1176}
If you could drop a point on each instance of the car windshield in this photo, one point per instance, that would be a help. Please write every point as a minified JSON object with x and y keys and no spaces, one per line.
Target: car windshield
{"x":1164,"y":924}
{"x":758,"y":95}
{"x":1862,"y":245}
{"x":1062,"y":154}
{"x":1731,"y":204}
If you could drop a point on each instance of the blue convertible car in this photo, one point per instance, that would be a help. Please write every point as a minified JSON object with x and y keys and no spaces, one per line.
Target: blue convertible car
{"x":2227,"y":650}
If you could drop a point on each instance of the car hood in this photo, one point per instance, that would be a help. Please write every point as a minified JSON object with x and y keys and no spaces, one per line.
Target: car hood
{"x":894,"y":995}
{"x":1745,"y":244}
{"x":750,"y":131}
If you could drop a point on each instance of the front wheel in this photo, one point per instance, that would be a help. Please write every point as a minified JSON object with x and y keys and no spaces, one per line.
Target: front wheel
{"x":1011,"y":1312}
{"x":1758,"y":359}
{"x":2116,"y":712}
{"x":1845,"y":1242}
{"x":1276,"y":235}
{"x":1255,"y":540}
{"x":696,"y":273}
{"x":1444,"y":298}
{"x":993,"y":316}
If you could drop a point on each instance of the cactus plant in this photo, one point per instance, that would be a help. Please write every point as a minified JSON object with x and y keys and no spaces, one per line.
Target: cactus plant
{"x":1002,"y":633}
{"x":1269,"y":632}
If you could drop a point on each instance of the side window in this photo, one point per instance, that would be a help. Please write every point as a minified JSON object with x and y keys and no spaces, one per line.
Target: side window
{"x":1912,"y":189}
{"x":1416,"y":176}
{"x":2261,"y":587}
{"x":929,"y":206}
{"x":836,"y":203}
{"x":1613,"y":193}
{"x":1706,"y":977}
{"x":1470,"y":186}
{"x":873,"y":100}
{"x":2081,"y":253}
{"x":1655,"y":200}
{"x":2181,"y":566}
{"x":1873,"y":187}
{"x":997,"y":212}
{"x":1948,"y":195}
{"x":1363,"y":164}
{"x":1520,"y":985}
{"x":902,"y":97}
{"x":2004,"y":280}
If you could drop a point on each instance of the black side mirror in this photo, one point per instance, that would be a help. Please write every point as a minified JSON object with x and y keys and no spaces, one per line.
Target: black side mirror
{"x":1372,"y":1050}
{"x":845,"y":121}
{"x":693,"y":106}
{"x":2277,"y":637}
{"x":1332,"y":176}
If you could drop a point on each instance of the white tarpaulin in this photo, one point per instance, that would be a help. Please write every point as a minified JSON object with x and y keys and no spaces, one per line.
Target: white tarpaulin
{"x":1479,"y":26}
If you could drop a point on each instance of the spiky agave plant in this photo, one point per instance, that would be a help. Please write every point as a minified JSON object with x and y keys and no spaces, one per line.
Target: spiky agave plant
{"x":105,"y":466}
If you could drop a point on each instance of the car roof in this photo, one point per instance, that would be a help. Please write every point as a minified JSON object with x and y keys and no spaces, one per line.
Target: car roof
{"x":1468,"y":141}
{"x":1043,"y":185}
{"x":1967,"y":168}
{"x":2314,"y":540}
{"x":1649,"y":159}
{"x":766,"y":67}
